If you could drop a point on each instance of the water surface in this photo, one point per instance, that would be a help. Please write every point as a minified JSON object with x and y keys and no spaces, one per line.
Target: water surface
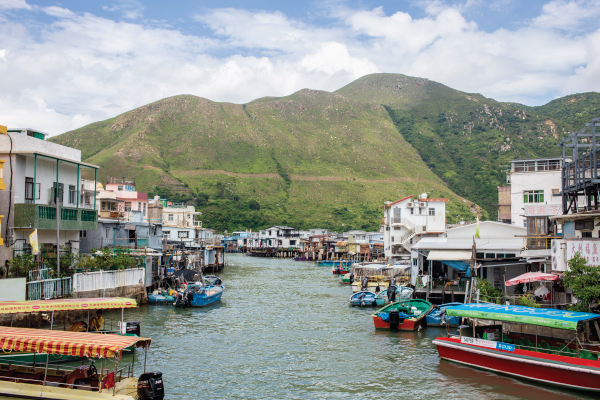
{"x":284,"y":331}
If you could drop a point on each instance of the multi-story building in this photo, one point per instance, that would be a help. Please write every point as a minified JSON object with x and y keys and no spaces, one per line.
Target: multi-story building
{"x":134,"y":205}
{"x":408,"y":220}
{"x":44,"y":193}
{"x":533,"y":189}
{"x":279,"y":237}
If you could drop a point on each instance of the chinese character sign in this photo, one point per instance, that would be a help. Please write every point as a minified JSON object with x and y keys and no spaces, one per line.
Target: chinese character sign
{"x":588,"y":248}
{"x":33,"y":242}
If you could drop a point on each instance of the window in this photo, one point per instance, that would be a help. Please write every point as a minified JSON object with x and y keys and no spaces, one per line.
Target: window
{"x":107,"y":232}
{"x":432,"y":212}
{"x":586,"y":234}
{"x":127,"y":206}
{"x":60,"y":192}
{"x":28,"y":190}
{"x":103,"y":206}
{"x":120,"y":188}
{"x":396,"y":219}
{"x":139,"y":206}
{"x":392,"y":239}
{"x":170,"y":217}
{"x":82,"y":234}
{"x":537,"y":226}
{"x":72,"y":194}
{"x":555,"y":192}
{"x":533,"y":196}
{"x":166,"y":234}
{"x":412,"y":211}
{"x":183,"y":234}
{"x":144,"y":212}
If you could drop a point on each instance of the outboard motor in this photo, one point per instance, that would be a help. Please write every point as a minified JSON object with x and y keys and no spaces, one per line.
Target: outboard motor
{"x":391,"y":293}
{"x":150,"y":386}
{"x":189,"y":297}
{"x":351,"y":277}
{"x":394,"y":320}
{"x":393,"y":282}
{"x":365,"y":282}
{"x":133,"y":327}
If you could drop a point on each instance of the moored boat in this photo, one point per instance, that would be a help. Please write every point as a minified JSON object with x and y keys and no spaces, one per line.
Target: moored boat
{"x":332,"y":263}
{"x":399,"y":291}
{"x":369,"y":277}
{"x":569,"y":363}
{"x":364,"y":298}
{"x":402,"y":315}
{"x":199,"y":295}
{"x":347,"y":279}
{"x":438,"y":316}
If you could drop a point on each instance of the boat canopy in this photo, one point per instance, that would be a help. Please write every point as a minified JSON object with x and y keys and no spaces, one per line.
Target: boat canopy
{"x":82,"y":344}
{"x":13,"y":307}
{"x":396,"y":270}
{"x":549,"y":317}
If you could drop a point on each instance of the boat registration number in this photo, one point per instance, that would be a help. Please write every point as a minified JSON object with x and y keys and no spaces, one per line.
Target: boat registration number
{"x":488,"y":343}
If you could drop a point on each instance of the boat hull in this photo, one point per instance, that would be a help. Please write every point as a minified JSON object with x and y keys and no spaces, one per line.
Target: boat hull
{"x":409,"y":324}
{"x":203,"y":301}
{"x":551,"y":369}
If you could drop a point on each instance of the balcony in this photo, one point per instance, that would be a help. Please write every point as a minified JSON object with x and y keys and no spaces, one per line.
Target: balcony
{"x":111,"y":214}
{"x":130,"y":242}
{"x":538,"y":242}
{"x":39,"y":216}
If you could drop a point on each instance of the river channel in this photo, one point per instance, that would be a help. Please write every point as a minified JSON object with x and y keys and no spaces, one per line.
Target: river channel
{"x":284,"y":330}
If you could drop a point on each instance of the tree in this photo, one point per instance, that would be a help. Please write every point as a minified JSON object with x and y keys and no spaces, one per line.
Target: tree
{"x":584,"y":281}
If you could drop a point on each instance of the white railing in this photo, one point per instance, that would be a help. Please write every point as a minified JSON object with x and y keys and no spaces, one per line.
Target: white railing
{"x":107,"y":279}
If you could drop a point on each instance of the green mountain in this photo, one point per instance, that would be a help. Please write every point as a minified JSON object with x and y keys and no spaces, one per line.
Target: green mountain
{"x":316,"y":158}
{"x":466,"y":138}
{"x":310,"y":159}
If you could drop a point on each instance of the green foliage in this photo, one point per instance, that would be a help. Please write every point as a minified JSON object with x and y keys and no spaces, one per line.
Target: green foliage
{"x":519,"y":288}
{"x":527,"y":302}
{"x":21,"y":264}
{"x":584,"y":281}
{"x":489,"y":293}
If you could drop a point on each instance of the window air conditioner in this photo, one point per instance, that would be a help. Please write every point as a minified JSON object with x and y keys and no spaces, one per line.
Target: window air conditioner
{"x":423,"y":204}
{"x":410,"y":205}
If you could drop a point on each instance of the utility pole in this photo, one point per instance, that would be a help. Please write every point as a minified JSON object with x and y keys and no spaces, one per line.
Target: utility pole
{"x":56,"y":198}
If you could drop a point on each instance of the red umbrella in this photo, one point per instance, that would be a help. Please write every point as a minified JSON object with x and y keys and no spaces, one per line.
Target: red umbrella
{"x":531,"y":277}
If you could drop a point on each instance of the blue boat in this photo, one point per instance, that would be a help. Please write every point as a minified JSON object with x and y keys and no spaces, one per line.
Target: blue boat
{"x":435,"y":317}
{"x":402,"y":293}
{"x":330,"y":263}
{"x":199,"y":295}
{"x":364,"y":298}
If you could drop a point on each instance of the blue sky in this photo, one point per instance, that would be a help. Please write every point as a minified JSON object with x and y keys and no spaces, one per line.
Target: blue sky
{"x":66,"y":64}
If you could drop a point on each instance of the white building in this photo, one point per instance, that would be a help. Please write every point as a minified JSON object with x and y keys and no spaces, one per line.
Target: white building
{"x":535,"y":189}
{"x":179,"y":215}
{"x":406,"y":221}
{"x":32,"y":171}
{"x":279,"y":237}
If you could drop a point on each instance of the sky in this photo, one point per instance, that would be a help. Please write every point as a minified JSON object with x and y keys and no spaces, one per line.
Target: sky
{"x":67,"y":64}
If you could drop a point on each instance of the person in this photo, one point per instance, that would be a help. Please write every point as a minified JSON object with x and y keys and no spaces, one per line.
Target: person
{"x":77,"y":326}
{"x":97,"y":322}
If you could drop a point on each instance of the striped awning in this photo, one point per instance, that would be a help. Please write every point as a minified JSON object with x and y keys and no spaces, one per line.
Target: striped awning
{"x":103,"y":303}
{"x":82,"y":344}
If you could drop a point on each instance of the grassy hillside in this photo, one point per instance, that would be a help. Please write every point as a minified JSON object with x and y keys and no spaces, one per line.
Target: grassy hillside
{"x":310,"y":159}
{"x":465,"y":138}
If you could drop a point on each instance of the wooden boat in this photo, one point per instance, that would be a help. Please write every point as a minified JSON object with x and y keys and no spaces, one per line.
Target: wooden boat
{"x":82,"y":382}
{"x":347,"y":279}
{"x":434,"y":317}
{"x":402,"y":315}
{"x":364,"y":298}
{"x":213,"y":280}
{"x":341,"y":270}
{"x":572,"y":364}
{"x":49,"y":306}
{"x":369,"y":277}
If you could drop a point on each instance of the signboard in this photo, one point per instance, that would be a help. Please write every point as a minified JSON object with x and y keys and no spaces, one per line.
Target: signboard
{"x":532,"y":210}
{"x":13,"y":289}
{"x":588,"y":248}
{"x":33,"y":242}
{"x":487,"y":343}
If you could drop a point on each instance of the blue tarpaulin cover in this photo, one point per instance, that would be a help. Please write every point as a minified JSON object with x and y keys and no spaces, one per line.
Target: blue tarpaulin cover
{"x":550,"y":317}
{"x":386,"y":316}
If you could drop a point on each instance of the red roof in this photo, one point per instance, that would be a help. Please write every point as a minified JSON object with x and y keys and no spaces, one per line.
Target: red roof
{"x":399,"y":201}
{"x":434,"y":199}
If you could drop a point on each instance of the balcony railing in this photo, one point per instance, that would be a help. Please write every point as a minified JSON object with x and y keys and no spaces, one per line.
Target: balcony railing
{"x":129,"y":242}
{"x":538,"y":242}
{"x":39,"y":216}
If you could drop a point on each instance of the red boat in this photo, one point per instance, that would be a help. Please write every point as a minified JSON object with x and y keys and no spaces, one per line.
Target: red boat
{"x":406,"y":315}
{"x":571,"y":363}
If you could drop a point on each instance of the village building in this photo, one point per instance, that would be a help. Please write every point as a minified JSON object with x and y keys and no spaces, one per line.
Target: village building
{"x":408,"y":220}
{"x":533,"y":190}
{"x":440,"y":262}
{"x":284,"y":237}
{"x":134,"y":204}
{"x":44,"y":193}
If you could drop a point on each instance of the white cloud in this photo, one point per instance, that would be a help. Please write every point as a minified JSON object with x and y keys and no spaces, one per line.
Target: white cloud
{"x":572,"y":15}
{"x":83,"y":68}
{"x":130,"y":9}
{"x":14,"y":4}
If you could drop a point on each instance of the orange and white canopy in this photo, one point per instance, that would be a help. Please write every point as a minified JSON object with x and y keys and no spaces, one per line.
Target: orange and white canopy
{"x":82,"y":344}
{"x":105,"y":303}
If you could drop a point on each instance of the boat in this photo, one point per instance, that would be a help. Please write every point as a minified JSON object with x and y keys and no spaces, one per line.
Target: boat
{"x":438,"y":317}
{"x":362,"y":299}
{"x":403,"y":315}
{"x":50,"y":306}
{"x":303,"y":258}
{"x":85,"y":381}
{"x":401,"y":293}
{"x":199,"y":294}
{"x":341,"y":269}
{"x":160,"y":297}
{"x":401,"y":272}
{"x":332,"y":263}
{"x":213,"y":280}
{"x":347,"y":279}
{"x":369,"y":277}
{"x":554,"y":347}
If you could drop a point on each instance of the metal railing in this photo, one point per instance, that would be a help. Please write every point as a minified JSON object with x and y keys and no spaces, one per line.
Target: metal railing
{"x":49,"y":289}
{"x":538,"y":242}
{"x":47,"y":212}
{"x":89,"y":216}
{"x":140,"y":242}
{"x":68,"y":214}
